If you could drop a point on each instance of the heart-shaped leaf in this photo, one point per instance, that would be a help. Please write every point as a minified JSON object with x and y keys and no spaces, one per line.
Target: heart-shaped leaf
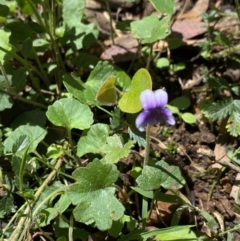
{"x":107,"y":93}
{"x":70,"y":113}
{"x":130,"y":101}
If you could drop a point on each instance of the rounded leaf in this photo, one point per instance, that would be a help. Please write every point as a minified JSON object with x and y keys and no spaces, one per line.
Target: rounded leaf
{"x":130,"y":101}
{"x":70,"y":113}
{"x":182,"y":102}
{"x":189,"y":118}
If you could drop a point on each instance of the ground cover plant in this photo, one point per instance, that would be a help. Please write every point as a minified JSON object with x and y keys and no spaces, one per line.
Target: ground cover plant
{"x":120,"y":120}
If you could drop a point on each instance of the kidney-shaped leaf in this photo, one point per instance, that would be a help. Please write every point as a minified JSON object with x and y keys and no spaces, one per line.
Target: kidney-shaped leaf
{"x":94,"y":195}
{"x":70,"y":113}
{"x":161,"y":174}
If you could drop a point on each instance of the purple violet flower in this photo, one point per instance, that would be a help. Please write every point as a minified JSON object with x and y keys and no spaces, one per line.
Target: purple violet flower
{"x":154,"y":110}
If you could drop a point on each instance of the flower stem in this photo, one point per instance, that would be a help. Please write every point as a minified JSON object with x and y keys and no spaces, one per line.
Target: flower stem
{"x":147,"y":148}
{"x":145,"y":199}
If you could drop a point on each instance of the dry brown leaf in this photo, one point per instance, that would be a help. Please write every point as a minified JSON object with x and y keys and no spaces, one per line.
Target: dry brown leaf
{"x":188,"y":28}
{"x":235,"y":190}
{"x":200,"y":7}
{"x":118,"y":54}
{"x":220,"y":153}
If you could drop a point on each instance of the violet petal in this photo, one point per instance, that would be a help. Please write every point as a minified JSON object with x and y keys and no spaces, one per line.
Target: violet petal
{"x":168,"y":116}
{"x":143,"y":119}
{"x":161,"y":98}
{"x":147,"y":99}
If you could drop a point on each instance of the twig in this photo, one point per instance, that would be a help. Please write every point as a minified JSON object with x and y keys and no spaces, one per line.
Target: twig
{"x":110,"y":18}
{"x":228,"y":164}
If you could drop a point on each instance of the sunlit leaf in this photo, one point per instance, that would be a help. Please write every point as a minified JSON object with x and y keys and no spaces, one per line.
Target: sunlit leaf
{"x":130,"y":101}
{"x":98,"y":141}
{"x":164,"y":6}
{"x":70,"y":113}
{"x":151,"y":29}
{"x":94,"y":195}
{"x":161,"y":174}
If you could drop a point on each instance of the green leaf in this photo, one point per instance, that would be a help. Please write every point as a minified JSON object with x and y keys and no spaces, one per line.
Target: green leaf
{"x":49,"y":214}
{"x":94,"y":195}
{"x":70,"y":113}
{"x":130,"y":101}
{"x":189,"y":118}
{"x":115,"y":150}
{"x":124,"y":25}
{"x":27,"y":47}
{"x":174,"y":43}
{"x":161,"y":174}
{"x":81,"y":35}
{"x":220,"y":110}
{"x":35,"y":135}
{"x":164,"y":6}
{"x":72,"y":12}
{"x":41,"y":203}
{"x":21,"y":143}
{"x":10,"y":4}
{"x":177,"y":67}
{"x":211,"y":223}
{"x":4,"y":10}
{"x":86,"y":92}
{"x":107,"y":93}
{"x":4,"y":43}
{"x":182,"y":102}
{"x":233,"y":124}
{"x":136,"y":172}
{"x":36,"y":27}
{"x":41,"y":43}
{"x":173,"y":109}
{"x":167,"y":198}
{"x":6,"y":205}
{"x":77,"y":34}
{"x":19,"y":79}
{"x":6,"y":101}
{"x":97,"y":141}
{"x":34,"y":117}
{"x":174,"y":233}
{"x":204,"y":106}
{"x":151,"y":29}
{"x":20,"y":31}
{"x":54,"y":151}
{"x":148,"y":194}
{"x":116,"y":119}
{"x":85,"y":61}
{"x":61,"y":229}
{"x":92,"y":141}
{"x":162,"y":63}
{"x":168,"y":232}
{"x":117,"y":226}
{"x":25,"y":6}
{"x":136,"y":135}
{"x":122,"y":79}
